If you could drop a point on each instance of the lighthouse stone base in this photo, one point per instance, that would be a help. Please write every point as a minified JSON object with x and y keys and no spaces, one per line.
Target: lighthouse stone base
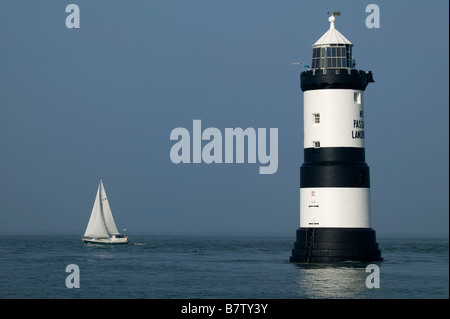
{"x":329,"y":245}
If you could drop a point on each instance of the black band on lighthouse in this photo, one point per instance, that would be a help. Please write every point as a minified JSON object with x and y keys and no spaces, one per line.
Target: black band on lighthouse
{"x":335,"y":79}
{"x":328,"y":245}
{"x":334,"y":167}
{"x":350,"y":155}
{"x":334,"y":176}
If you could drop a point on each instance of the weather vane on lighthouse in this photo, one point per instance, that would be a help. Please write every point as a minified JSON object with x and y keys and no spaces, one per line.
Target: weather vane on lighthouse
{"x":334,"y":13}
{"x":334,"y":178}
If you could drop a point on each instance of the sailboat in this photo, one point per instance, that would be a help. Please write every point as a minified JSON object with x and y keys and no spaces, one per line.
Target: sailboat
{"x":101,"y":228}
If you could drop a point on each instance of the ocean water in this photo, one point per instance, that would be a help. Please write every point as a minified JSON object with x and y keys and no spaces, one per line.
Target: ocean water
{"x":214,"y":267}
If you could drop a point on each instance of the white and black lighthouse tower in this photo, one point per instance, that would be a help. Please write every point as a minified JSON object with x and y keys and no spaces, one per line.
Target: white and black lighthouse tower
{"x":334,"y":178}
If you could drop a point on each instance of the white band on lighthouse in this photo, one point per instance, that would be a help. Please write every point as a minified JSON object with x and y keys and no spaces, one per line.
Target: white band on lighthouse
{"x":334,"y":207}
{"x":334,"y":118}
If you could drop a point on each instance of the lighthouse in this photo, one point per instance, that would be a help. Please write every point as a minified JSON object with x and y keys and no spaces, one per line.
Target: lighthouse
{"x":334,"y":177}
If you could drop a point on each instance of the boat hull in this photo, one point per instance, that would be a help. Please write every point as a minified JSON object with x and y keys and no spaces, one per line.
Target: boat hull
{"x":106,"y":241}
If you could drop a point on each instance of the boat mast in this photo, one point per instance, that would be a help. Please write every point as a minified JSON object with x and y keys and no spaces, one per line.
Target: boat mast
{"x":101,"y":204}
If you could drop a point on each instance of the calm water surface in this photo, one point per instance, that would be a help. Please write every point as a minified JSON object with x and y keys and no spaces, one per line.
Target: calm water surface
{"x":188,"y":266}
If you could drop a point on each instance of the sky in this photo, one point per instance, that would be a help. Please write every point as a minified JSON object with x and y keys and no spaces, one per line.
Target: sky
{"x":100,"y":101}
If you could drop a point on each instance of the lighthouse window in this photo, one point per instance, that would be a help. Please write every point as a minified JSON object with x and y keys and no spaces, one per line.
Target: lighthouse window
{"x":316,"y":144}
{"x":316,"y":118}
{"x":357,"y":97}
{"x":333,"y":56}
{"x":315,"y":63}
{"x":316,"y":52}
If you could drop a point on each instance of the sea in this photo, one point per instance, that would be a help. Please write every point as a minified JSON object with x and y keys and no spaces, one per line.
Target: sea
{"x":189,"y":266}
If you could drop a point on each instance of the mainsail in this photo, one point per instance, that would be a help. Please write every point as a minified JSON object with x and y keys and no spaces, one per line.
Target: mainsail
{"x":101,"y":223}
{"x":107,"y":214}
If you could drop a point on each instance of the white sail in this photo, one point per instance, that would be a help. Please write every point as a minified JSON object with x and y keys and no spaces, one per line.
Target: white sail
{"x":96,"y":227}
{"x":107,"y":214}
